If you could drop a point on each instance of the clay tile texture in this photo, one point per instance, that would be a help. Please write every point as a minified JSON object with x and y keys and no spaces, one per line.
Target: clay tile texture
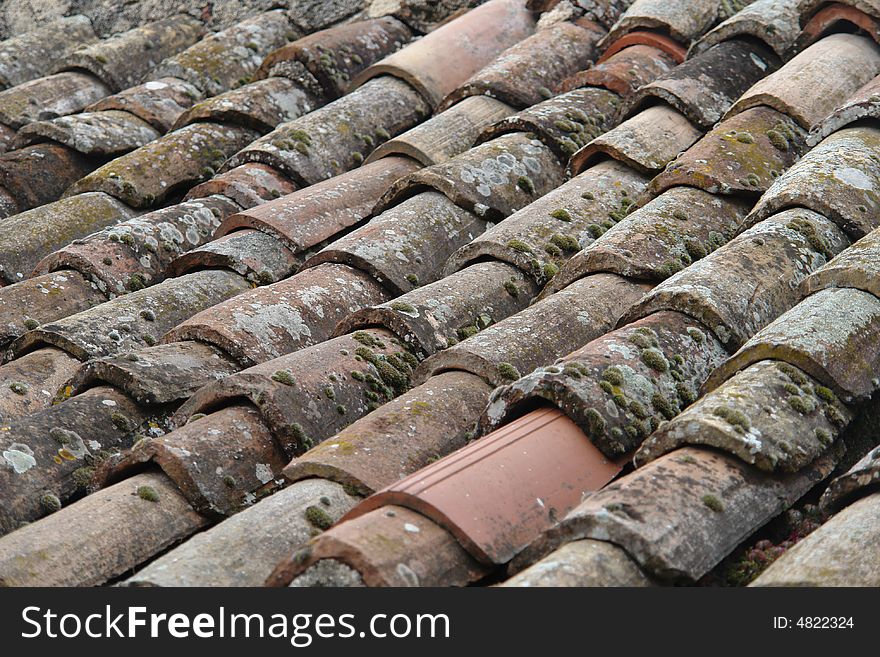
{"x":459,"y":293}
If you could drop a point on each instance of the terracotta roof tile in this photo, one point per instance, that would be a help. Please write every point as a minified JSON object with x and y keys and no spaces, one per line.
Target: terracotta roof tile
{"x":623,"y":72}
{"x":863,"y":104}
{"x":158,"y":102}
{"x":774,"y":22}
{"x":247,"y":185}
{"x":856,"y":267}
{"x":39,"y":174}
{"x":100,"y":134}
{"x":49,"y":97}
{"x":33,"y":380}
{"x":680,"y":19}
{"x":859,"y":481}
{"x":837,"y":17}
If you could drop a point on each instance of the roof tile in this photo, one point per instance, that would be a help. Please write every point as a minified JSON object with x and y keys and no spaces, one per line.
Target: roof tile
{"x":49,"y":97}
{"x":39,"y":174}
{"x":683,"y":20}
{"x":863,"y":104}
{"x":30,"y":382}
{"x":859,"y":481}
{"x":99,"y":134}
{"x":247,"y":185}
{"x":837,"y":17}
{"x":258,"y":257}
{"x":623,"y":72}
{"x":774,"y":22}
{"x":855,"y":267}
{"x":158,"y":102}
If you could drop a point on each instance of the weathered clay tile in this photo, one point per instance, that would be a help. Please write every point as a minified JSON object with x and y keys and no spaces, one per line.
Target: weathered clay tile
{"x":808,"y":8}
{"x":39,"y":174}
{"x":278,"y":319}
{"x":434,"y":316}
{"x":863,"y":104}
{"x":27,"y":56}
{"x":158,"y":102}
{"x":838,"y":17}
{"x":842,"y":552}
{"x":100,"y":134}
{"x":839,"y":178}
{"x":258,"y":257}
{"x":619,"y":387}
{"x":749,"y":282}
{"x":228,"y":59}
{"x":647,"y":142}
{"x":106,"y":542}
{"x":499,"y":493}
{"x":833,"y":335}
{"x":624,"y":72}
{"x":672,"y":48}
{"x":468,"y":43}
{"x":493,"y":179}
{"x":243,"y":549}
{"x":247,"y":185}
{"x":260,"y":105}
{"x":773,"y":22}
{"x":684,"y":20}
{"x":544,"y":234}
{"x":743,"y":154}
{"x":406,"y":245}
{"x":393,"y":546}
{"x":584,"y":311}
{"x":770,"y":415}
{"x":703,"y":88}
{"x":338,"y":54}
{"x":398,"y":438}
{"x":34,"y":301}
{"x":564,"y":123}
{"x":338,"y":136}
{"x":134,"y":320}
{"x":221,"y":462}
{"x":680,"y":515}
{"x":582,"y":563}
{"x":7,"y":134}
{"x":309,"y":395}
{"x":45,"y":454}
{"x":137,"y":252}
{"x":519,"y":75}
{"x":122,"y":60}
{"x":838,"y":64}
{"x":605,"y":12}
{"x":447,"y":134}
{"x":28,"y":237}
{"x":176,"y":160}
{"x":32,"y":380}
{"x":855,"y":267}
{"x":49,"y":97}
{"x":664,"y":236}
{"x":160,"y":374}
{"x":858,"y":481}
{"x":316,"y":213}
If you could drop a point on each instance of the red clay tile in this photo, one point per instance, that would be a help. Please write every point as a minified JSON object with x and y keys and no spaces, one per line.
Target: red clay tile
{"x":310,"y":216}
{"x":160,"y":374}
{"x":7,"y":134}
{"x":863,"y":104}
{"x":552,"y":229}
{"x":851,"y":199}
{"x":704,"y":87}
{"x":173,"y":162}
{"x":338,"y":54}
{"x":388,"y":547}
{"x":122,"y":61}
{"x":406,"y":245}
{"x":30,"y":382}
{"x":680,"y":515}
{"x":138,"y":251}
{"x":493,"y":179}
{"x":258,"y":257}
{"x":647,"y":141}
{"x":564,"y":123}
{"x":158,"y":102}
{"x":773,"y":22}
{"x":833,"y":335}
{"x":683,"y":20}
{"x":666,"y":235}
{"x":399,"y":437}
{"x":338,"y":136}
{"x":447,"y":134}
{"x":99,"y":134}
{"x":227,"y":59}
{"x":469,"y":42}
{"x":584,"y":311}
{"x":321,"y":374}
{"x":498,"y":494}
{"x":27,"y":56}
{"x":855,"y":267}
{"x":743,"y":154}
{"x":619,"y":387}
{"x":434,"y":316}
{"x":655,"y":40}
{"x":49,"y":97}
{"x":34,"y":301}
{"x":136,"y":319}
{"x":623,"y":72}
{"x":770,"y":415}
{"x":837,"y":17}
{"x":116,"y":529}
{"x":838,"y":64}
{"x":859,"y":481}
{"x":31,"y":235}
{"x":519,"y":75}
{"x":248,"y":185}
{"x":39,"y":174}
{"x":749,"y":282}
